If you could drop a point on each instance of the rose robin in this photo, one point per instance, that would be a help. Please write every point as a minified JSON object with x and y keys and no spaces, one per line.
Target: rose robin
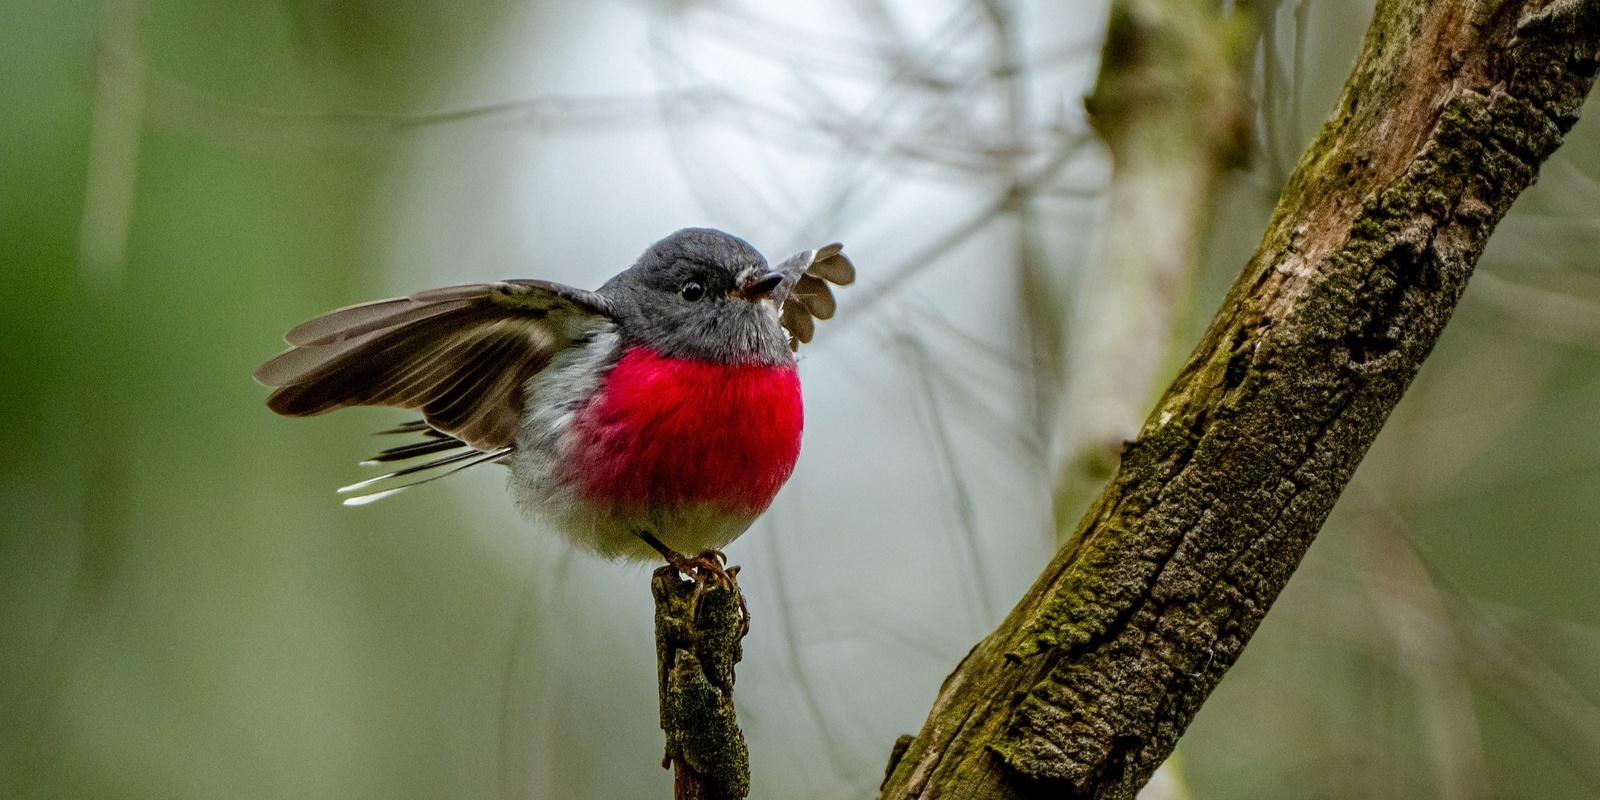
{"x":658,"y":414}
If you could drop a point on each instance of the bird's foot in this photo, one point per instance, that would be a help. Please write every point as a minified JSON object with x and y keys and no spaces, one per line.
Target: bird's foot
{"x":709,"y":562}
{"x":701,"y":567}
{"x":713,"y":562}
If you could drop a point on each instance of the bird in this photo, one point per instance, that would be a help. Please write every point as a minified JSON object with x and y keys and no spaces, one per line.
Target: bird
{"x":654,"y":417}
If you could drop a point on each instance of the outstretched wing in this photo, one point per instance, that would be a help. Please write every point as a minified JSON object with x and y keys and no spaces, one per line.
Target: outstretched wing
{"x":810,"y":298}
{"x":461,"y":355}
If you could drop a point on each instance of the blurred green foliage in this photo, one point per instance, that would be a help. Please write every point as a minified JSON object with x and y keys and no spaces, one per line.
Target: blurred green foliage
{"x":176,"y":615}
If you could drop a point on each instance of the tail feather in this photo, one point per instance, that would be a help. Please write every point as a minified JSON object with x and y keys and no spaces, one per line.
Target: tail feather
{"x":437,"y":442}
{"x":414,"y":426}
{"x":405,"y":452}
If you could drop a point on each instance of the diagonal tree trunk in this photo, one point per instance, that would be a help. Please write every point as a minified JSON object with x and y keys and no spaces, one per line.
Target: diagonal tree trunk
{"x":1087,"y":685}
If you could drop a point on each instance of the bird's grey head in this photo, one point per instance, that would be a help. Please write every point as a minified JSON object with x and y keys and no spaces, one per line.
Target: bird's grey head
{"x":701,"y":293}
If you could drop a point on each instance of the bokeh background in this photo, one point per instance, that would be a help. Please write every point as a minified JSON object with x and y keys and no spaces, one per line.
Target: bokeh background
{"x":187,"y":612}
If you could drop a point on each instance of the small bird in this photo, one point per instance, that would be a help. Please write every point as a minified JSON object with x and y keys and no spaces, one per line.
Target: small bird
{"x":656,"y":416}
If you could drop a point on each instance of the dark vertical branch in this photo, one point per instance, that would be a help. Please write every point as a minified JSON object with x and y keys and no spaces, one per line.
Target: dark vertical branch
{"x":698,"y":627}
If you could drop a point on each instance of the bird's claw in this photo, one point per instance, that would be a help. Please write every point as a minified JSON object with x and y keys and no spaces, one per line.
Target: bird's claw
{"x":698,"y":569}
{"x":712,"y":562}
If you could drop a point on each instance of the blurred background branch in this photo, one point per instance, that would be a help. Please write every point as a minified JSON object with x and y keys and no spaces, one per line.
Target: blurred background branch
{"x":1170,"y":104}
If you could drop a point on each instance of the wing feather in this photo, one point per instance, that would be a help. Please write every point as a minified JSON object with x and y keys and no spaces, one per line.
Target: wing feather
{"x":459,"y":354}
{"x":810,"y":298}
{"x":353,"y":321}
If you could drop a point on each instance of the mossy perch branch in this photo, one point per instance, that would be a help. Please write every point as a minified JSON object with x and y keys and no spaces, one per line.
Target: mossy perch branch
{"x":699,"y":624}
{"x":1088,"y":683}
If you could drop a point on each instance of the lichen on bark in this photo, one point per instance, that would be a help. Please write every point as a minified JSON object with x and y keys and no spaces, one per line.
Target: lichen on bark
{"x":1088,"y":683}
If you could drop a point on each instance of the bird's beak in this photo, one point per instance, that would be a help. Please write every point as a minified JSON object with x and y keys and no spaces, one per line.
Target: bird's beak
{"x":760,"y":286}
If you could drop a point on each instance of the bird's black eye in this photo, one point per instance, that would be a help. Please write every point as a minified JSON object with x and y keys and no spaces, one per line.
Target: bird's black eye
{"x":692,"y":291}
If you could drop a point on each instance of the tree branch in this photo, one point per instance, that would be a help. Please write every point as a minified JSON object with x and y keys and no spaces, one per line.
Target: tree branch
{"x":698,"y":627}
{"x":1087,"y":685}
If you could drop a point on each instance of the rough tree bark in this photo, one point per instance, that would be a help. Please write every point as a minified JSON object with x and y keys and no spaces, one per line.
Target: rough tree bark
{"x":1087,"y":685}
